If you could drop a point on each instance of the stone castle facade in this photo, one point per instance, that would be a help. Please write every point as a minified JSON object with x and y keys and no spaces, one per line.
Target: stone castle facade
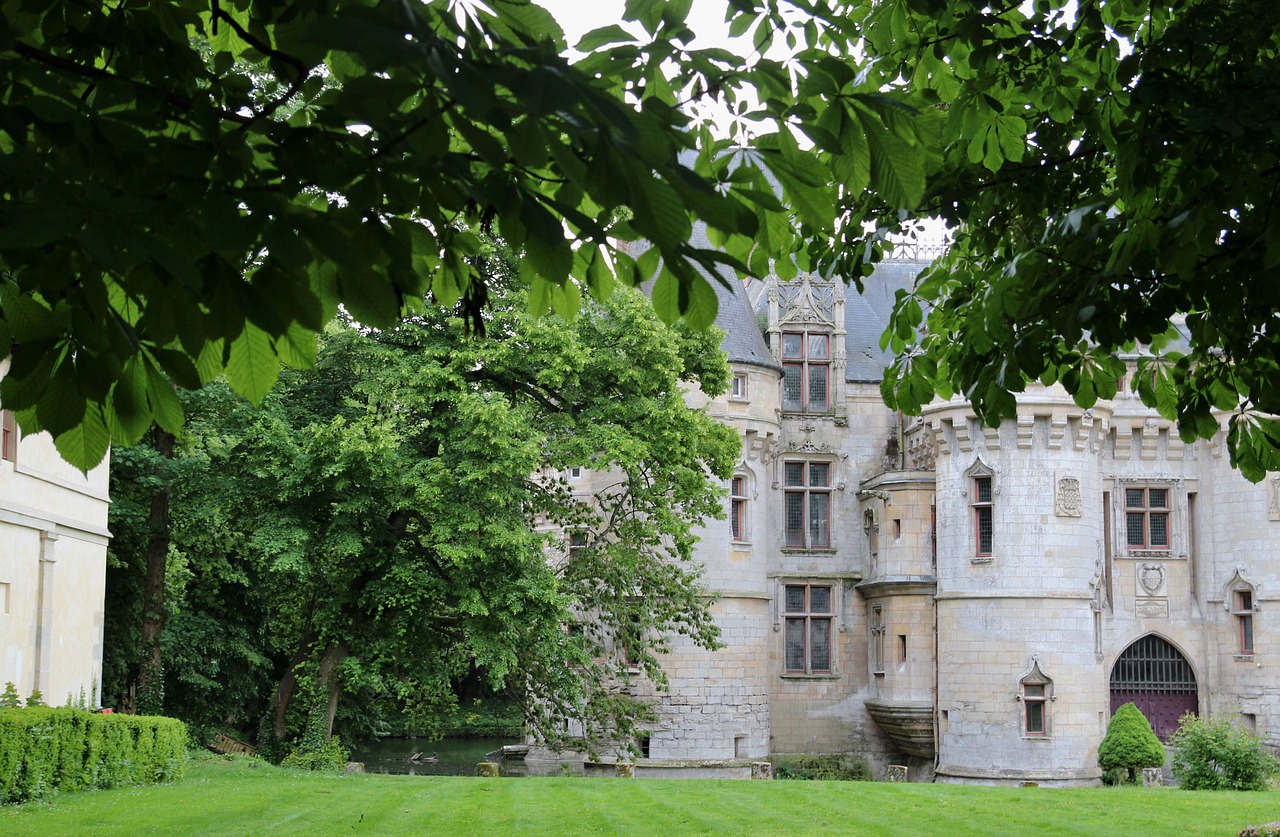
{"x":973,"y":602}
{"x":53,"y":562}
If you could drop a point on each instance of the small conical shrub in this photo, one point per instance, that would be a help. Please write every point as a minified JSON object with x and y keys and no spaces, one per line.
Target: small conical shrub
{"x":1130,"y":743}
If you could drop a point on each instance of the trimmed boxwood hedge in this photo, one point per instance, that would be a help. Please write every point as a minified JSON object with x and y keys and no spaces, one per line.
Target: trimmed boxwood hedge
{"x":47,"y":750}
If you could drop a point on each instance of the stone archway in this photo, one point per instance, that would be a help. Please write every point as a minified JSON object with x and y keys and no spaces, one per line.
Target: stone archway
{"x":1154,"y":675}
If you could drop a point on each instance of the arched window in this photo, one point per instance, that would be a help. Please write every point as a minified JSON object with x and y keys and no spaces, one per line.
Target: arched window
{"x":1035,"y":691}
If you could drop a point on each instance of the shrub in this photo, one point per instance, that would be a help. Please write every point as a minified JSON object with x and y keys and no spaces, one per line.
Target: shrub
{"x":329,"y":756}
{"x":1130,"y":743}
{"x":44,"y":750}
{"x":1217,"y":755}
{"x":9,"y":699}
{"x":830,"y":768}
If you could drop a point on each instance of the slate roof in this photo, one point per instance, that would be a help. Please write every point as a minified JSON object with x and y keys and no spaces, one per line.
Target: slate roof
{"x":866,"y":316}
{"x":743,"y":342}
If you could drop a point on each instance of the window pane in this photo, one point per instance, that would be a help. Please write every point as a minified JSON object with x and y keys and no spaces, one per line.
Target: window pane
{"x":1158,"y":498}
{"x":1159,"y":529}
{"x":795,"y":645}
{"x":792,"y":345}
{"x":1035,"y":718}
{"x":818,"y":347}
{"x":985,"y":529}
{"x":795,"y":518}
{"x":819,"y":474}
{"x":1134,"y":522}
{"x":817,"y":387}
{"x":739,"y":386}
{"x":819,"y":532}
{"x":820,"y":645}
{"x":1034,"y":691}
{"x":791,"y":385}
{"x":1244,"y":600}
{"x":1133,"y":498}
{"x":1246,"y":634}
{"x":736,"y":515}
{"x":982,"y":489}
{"x":795,"y":599}
{"x":737,"y":486}
{"x":819,"y":599}
{"x":795,"y":473}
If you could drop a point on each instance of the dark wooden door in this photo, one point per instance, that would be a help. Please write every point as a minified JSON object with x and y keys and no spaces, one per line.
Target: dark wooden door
{"x":1153,"y":675}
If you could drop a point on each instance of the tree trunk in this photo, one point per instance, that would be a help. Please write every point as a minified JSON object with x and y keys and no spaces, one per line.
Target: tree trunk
{"x":288,"y":683}
{"x":328,"y":681}
{"x":150,"y":685}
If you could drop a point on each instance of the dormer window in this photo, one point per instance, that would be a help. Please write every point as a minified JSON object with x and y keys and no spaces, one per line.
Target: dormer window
{"x":806,"y":372}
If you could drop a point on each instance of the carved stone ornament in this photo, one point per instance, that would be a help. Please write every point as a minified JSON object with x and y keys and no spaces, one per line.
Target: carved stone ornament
{"x":1273,"y":499}
{"x":1069,"y":502}
{"x":1151,"y":578}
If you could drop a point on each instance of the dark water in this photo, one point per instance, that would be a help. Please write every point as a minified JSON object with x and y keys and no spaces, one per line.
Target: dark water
{"x":457,"y":756}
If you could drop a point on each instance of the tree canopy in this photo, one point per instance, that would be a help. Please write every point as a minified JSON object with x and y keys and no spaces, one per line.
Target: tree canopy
{"x":1110,"y":170}
{"x":191,"y":189}
{"x":383,"y":524}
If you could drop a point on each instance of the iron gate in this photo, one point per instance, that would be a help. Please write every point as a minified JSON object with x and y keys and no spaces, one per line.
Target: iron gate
{"x":1158,"y":679}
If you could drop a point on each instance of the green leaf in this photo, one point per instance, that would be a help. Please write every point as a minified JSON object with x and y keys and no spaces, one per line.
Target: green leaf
{"x":84,"y":445}
{"x":253,"y":365}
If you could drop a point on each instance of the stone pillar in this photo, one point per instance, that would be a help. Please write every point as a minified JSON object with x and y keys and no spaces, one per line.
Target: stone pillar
{"x":43,"y":656}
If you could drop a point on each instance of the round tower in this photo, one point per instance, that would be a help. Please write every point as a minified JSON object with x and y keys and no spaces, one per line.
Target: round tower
{"x":1020,"y":591}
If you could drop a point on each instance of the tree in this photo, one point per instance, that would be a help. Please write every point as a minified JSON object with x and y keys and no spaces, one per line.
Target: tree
{"x":1110,"y":170}
{"x":190,"y":189}
{"x":383,"y":524}
{"x":1130,"y":744}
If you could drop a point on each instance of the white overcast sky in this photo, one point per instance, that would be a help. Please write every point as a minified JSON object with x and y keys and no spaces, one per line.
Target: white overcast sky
{"x":578,"y":17}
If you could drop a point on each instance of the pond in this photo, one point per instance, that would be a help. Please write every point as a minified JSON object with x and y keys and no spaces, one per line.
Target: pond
{"x":454,"y":756}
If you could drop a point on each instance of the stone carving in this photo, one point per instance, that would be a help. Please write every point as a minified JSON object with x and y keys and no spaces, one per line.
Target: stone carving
{"x":1151,"y":579}
{"x":1153,"y":777}
{"x":897,"y":773}
{"x":1069,"y":502}
{"x":761,"y":770}
{"x":1152,"y":608}
{"x":1273,"y":499}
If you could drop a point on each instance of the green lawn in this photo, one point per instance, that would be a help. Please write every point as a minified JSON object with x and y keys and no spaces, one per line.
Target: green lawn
{"x":239,"y":799}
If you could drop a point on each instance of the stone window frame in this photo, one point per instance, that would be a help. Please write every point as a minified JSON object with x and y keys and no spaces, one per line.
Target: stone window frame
{"x":977,"y":474}
{"x":8,"y":436}
{"x":806,"y":363}
{"x":1178,"y":489}
{"x":807,"y":490}
{"x":1140,"y":506}
{"x":1035,"y":694}
{"x":739,"y":387}
{"x":575,"y":541}
{"x":807,"y":616}
{"x":739,"y":507}
{"x":1243,"y":607}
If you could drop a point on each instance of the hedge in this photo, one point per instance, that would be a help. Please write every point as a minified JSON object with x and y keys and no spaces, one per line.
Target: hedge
{"x":47,"y":750}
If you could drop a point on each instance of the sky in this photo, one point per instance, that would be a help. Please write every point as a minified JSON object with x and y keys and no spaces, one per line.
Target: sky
{"x":578,"y":17}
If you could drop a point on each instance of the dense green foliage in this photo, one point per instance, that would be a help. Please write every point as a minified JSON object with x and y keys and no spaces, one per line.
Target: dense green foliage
{"x":1109,"y":168}
{"x":380,"y":528}
{"x":1130,"y":743}
{"x":191,"y":189}
{"x":44,"y":751}
{"x":823,"y":768}
{"x":1217,"y":755}
{"x":244,"y":796}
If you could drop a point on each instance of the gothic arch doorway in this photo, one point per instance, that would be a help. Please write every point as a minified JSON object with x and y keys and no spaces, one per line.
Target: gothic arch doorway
{"x":1154,"y":675}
